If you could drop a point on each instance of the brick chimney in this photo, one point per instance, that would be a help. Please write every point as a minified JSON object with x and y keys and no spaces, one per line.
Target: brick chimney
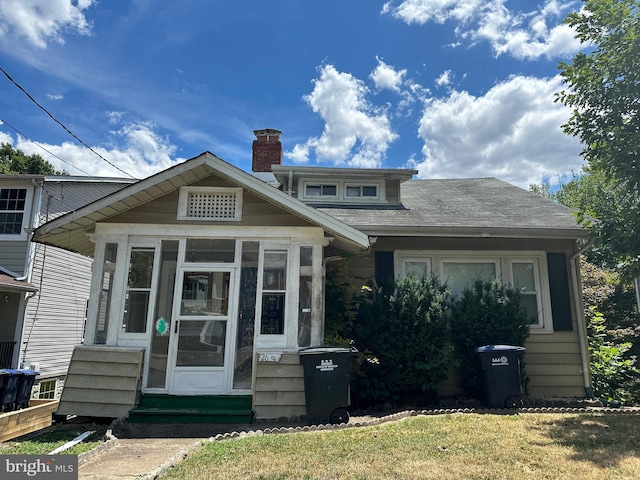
{"x":267,"y":150}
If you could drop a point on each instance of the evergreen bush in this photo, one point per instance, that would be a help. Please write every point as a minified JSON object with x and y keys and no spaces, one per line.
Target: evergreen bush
{"x":487,"y":313}
{"x":404,"y":335}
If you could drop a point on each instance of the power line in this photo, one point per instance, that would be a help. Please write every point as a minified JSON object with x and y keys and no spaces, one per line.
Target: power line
{"x":61,"y":124}
{"x":37,"y":144}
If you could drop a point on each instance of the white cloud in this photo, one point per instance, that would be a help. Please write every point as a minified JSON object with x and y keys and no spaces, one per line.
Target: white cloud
{"x":513,"y":132}
{"x":356,"y":133}
{"x":385,"y":76}
{"x":39,"y":21}
{"x":444,"y":79}
{"x":524,"y":35}
{"x":52,"y":96}
{"x":138,"y":150}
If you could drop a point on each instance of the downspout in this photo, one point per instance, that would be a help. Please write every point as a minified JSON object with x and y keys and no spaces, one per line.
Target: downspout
{"x":574,"y":261}
{"x":290,"y":186}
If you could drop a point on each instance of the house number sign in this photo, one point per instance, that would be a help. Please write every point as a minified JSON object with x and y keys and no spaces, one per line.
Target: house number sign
{"x":269,"y":356}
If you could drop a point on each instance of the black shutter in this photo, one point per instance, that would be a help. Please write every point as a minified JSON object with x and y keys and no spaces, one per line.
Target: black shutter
{"x":559,"y":287}
{"x":384,"y":269}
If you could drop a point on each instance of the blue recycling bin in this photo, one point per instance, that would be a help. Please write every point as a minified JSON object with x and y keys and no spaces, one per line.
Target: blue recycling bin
{"x":501,"y":375}
{"x":26,"y":380}
{"x":9,"y":380}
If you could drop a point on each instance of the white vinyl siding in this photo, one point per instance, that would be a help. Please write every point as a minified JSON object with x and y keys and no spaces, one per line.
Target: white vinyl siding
{"x":55,"y":315}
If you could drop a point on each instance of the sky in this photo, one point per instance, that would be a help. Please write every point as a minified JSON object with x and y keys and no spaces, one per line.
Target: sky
{"x":450,"y":88}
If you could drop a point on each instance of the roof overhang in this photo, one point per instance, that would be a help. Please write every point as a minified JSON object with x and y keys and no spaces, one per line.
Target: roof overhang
{"x":13,"y":285}
{"x":474,"y":232}
{"x":71,"y":231}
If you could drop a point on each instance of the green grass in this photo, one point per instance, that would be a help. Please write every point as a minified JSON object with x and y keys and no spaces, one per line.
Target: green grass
{"x":468,"y":446}
{"x":47,"y":440}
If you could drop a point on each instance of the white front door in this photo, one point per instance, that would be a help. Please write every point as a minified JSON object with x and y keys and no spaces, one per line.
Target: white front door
{"x":202,"y":353}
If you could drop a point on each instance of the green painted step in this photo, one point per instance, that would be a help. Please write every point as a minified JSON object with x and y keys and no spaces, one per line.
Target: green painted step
{"x":154,"y":408}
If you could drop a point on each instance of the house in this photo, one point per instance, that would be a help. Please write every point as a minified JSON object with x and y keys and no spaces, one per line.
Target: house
{"x":208,"y":280}
{"x":43,"y":289}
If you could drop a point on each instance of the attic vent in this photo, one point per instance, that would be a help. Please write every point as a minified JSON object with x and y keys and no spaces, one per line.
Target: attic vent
{"x":206,"y":203}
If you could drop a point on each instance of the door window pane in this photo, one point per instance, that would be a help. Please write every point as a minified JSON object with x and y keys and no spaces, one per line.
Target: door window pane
{"x":201,"y":343}
{"x":205,"y":294}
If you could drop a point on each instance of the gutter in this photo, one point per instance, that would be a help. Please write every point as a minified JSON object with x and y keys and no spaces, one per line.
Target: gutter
{"x":582,"y":325}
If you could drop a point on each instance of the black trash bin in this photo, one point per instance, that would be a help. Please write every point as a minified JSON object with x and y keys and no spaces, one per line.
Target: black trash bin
{"x":9,"y":380}
{"x":501,"y":375}
{"x":326,"y":383}
{"x":25,"y":384}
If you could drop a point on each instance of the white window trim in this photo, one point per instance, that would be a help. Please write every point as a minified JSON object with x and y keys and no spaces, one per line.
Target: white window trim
{"x":184,"y":199}
{"x":341,"y":189}
{"x":27,"y":214}
{"x":504,"y":261}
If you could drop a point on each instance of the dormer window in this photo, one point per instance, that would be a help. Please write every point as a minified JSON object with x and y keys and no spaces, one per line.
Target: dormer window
{"x":364,"y":191}
{"x":321,"y":190}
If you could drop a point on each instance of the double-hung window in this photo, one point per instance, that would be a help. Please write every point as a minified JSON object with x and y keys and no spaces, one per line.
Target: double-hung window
{"x":523,"y":271}
{"x":13,"y":205}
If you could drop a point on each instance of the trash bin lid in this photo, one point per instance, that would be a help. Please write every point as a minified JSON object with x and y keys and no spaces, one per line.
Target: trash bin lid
{"x":324,"y":350}
{"x":29,"y":372}
{"x":500,"y":348}
{"x":12,"y":371}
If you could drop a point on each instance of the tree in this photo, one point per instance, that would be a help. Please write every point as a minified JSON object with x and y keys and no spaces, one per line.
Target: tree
{"x":17,"y":162}
{"x":604,"y":94}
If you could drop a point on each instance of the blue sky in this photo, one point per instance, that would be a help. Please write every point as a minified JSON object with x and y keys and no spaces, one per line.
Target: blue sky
{"x":452,"y":88}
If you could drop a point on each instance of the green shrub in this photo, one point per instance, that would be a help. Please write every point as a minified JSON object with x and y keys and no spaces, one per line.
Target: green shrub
{"x":404,"y":338}
{"x":487,"y":313}
{"x":614,"y":374}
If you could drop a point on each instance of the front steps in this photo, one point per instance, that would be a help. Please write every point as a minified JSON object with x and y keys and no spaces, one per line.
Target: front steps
{"x":155,"y":408}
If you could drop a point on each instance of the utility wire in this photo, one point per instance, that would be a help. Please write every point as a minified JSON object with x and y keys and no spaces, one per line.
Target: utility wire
{"x":2,"y":120}
{"x":60,"y":123}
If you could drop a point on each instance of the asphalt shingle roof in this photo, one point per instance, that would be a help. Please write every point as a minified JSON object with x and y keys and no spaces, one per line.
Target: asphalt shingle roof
{"x":464,"y":206}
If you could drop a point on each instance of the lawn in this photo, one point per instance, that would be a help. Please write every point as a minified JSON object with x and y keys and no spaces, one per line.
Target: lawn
{"x":50,"y":438}
{"x":455,"y":446}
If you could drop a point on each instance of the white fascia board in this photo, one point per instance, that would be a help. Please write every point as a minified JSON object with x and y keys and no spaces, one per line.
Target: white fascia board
{"x":474,"y":232}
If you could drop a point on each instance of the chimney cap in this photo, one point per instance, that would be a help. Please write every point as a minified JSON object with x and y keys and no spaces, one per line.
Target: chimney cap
{"x":269,"y":132}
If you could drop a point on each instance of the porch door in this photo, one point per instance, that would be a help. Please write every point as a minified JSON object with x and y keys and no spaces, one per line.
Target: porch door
{"x":202,"y":350}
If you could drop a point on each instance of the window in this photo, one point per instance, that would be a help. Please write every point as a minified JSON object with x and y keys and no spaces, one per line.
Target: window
{"x":366,"y":191}
{"x":274,"y":286}
{"x":47,"y":390}
{"x":208,"y":203}
{"x":524,"y":271}
{"x":210,"y":250}
{"x":320,"y":190}
{"x":138,"y":291}
{"x":12,"y":210}
{"x":525,"y":277}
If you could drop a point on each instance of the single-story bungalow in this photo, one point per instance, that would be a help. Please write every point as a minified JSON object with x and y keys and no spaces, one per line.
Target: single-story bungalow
{"x":208,"y":280}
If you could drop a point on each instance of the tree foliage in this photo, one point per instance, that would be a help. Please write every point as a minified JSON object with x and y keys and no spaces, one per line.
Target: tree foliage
{"x":13,"y":161}
{"x":604,"y":95}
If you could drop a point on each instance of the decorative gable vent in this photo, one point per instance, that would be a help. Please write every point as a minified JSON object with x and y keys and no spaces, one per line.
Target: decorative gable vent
{"x":208,"y":203}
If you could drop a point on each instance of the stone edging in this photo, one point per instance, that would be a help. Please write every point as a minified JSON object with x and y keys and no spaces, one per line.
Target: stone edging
{"x":109,"y":443}
{"x":377,"y":421}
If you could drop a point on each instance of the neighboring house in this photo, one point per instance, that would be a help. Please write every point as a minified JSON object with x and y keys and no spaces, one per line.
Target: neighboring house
{"x":43,"y":289}
{"x":208,"y":280}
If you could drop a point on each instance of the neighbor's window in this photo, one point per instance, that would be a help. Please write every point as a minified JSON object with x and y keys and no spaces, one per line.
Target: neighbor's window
{"x":12,"y":206}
